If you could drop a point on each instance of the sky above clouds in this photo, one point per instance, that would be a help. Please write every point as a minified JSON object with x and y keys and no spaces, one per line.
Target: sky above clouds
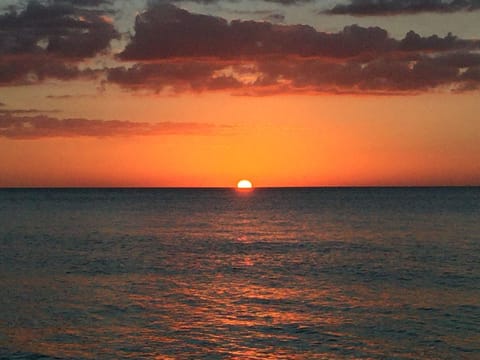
{"x":203,"y":92}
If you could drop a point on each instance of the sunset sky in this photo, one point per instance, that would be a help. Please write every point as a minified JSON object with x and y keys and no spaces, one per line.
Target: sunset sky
{"x":207,"y":92}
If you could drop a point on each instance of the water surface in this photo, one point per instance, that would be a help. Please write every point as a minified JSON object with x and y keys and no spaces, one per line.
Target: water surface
{"x":218,"y":274}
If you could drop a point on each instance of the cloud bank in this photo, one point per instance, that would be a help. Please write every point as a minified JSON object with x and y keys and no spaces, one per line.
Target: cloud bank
{"x":175,"y":51}
{"x":179,"y":51}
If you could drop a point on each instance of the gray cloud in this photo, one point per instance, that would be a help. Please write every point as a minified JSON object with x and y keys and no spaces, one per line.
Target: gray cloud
{"x":395,"y":7}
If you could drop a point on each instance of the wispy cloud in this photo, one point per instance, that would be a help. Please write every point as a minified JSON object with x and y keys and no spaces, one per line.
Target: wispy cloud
{"x":397,"y":7}
{"x":26,"y":111}
{"x":278,"y":2}
{"x":42,"y":126}
{"x":68,"y":96}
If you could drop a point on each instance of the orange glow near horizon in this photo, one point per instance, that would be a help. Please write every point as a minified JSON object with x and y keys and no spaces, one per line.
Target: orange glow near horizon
{"x":333,"y":141}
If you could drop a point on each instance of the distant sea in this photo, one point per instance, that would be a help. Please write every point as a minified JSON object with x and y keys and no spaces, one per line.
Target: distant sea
{"x":301,"y":273}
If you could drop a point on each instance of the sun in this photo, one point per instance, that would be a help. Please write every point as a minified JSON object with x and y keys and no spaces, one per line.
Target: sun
{"x":244,"y":184}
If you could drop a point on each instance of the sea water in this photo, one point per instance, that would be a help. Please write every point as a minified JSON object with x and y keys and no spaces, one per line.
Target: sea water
{"x":324,"y":273}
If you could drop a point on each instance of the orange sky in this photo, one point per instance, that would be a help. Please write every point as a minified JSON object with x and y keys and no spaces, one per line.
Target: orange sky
{"x":275,"y":141}
{"x":210,"y":137}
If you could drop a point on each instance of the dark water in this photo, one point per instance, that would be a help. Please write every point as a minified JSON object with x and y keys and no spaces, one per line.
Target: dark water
{"x":218,"y":274}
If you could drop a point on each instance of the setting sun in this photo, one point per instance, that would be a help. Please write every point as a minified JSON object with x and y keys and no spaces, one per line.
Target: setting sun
{"x":244,"y":184}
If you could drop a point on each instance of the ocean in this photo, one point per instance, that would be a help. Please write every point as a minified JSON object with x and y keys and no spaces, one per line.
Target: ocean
{"x":300,"y":273}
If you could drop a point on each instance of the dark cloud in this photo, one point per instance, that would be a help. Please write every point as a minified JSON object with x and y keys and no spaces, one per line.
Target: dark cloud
{"x":395,"y":7}
{"x":48,"y":40}
{"x":181,"y":51}
{"x":177,"y":51}
{"x":42,"y":126}
{"x":165,"y":31}
{"x":174,"y":77}
{"x":415,"y":42}
{"x":378,"y":76}
{"x":472,"y":74}
{"x":33,"y":69}
{"x":409,"y":75}
{"x":65,"y":29}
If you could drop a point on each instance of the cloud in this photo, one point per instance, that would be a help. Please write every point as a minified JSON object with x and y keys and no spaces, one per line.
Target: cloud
{"x":178,"y":51}
{"x":380,"y":76}
{"x":62,"y":28}
{"x":176,"y":77}
{"x":25,"y":111}
{"x":41,"y":126}
{"x":275,"y":17}
{"x":396,"y":7}
{"x":33,"y":69}
{"x":68,"y":96}
{"x":88,"y":2}
{"x":165,"y":31}
{"x":455,"y":71}
{"x":266,"y":15}
{"x":290,"y":2}
{"x":376,"y":77}
{"x":414,"y":42}
{"x":279,"y":2}
{"x":46,"y":40}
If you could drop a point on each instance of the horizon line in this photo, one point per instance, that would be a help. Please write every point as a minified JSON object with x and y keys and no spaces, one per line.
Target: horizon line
{"x":234,"y":187}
